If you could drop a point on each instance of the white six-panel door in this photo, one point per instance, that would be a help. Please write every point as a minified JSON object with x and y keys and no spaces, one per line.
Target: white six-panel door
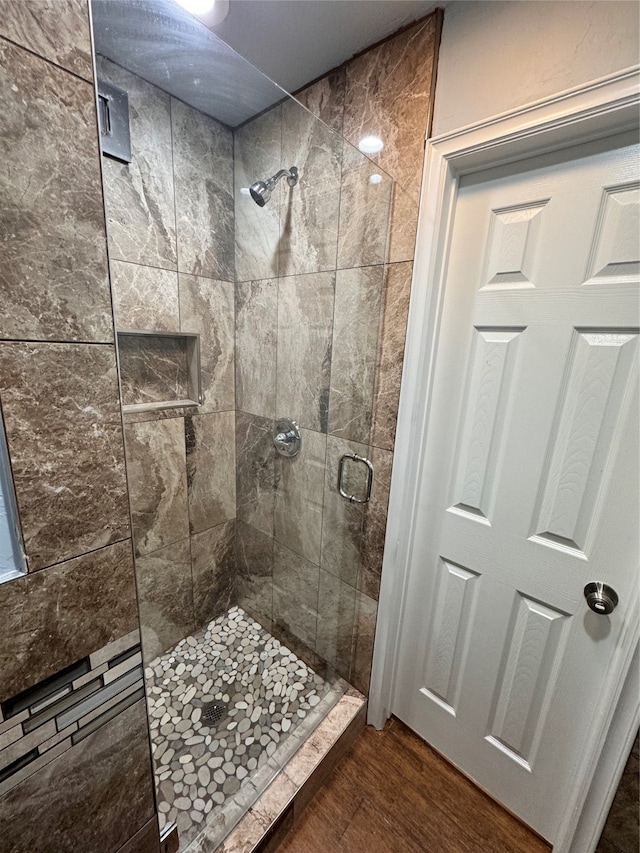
{"x":529,"y":487}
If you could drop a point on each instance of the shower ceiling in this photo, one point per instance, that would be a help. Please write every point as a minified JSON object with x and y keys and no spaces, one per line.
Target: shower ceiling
{"x":294,"y":41}
{"x":162,"y":43}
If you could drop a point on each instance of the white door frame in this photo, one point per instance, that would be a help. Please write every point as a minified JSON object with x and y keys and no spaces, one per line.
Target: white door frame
{"x":599,"y":109}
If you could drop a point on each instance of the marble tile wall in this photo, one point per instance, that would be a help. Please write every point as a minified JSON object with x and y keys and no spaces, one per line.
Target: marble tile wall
{"x":58,"y":288}
{"x":389,"y":94}
{"x":203,"y":174}
{"x":51,"y":618}
{"x":305,"y":336}
{"x":156,"y":464}
{"x":62,"y":420}
{"x":165,"y":590}
{"x":323,"y":276}
{"x":171,"y":238}
{"x":256,"y":346}
{"x":139,"y":196}
{"x":255,"y":472}
{"x":257,"y":154}
{"x":87,"y":785}
{"x":94,"y":796}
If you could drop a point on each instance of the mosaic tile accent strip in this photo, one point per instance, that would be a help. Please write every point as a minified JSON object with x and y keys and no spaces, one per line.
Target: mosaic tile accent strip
{"x":209,"y":773}
{"x":43,"y":721}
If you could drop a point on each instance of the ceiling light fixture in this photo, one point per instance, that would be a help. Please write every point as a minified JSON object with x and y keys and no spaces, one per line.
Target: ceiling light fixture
{"x":210,"y":12}
{"x":370,"y":144}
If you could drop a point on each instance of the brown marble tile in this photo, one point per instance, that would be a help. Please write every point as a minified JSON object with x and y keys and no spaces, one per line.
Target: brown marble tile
{"x":214,"y":575}
{"x":211,"y":469}
{"x":354,"y":350}
{"x":331,"y":742}
{"x":325,"y":98}
{"x":388,"y":92}
{"x":139,"y":196}
{"x":257,"y":156}
{"x":278,"y":832}
{"x":55,"y":31}
{"x":254,"y":569}
{"x":336,"y":612}
{"x":295,"y":594}
{"x":390,"y":354}
{"x":165,"y":594}
{"x":255,"y":472}
{"x":307,"y":760}
{"x":305,"y":328}
{"x":207,"y":308}
{"x":52,"y":618}
{"x":104,"y":654}
{"x":145,"y":298}
{"x":61,"y":411}
{"x":153,"y":369}
{"x":403,"y":226}
{"x":365,"y":212}
{"x":343,"y":721}
{"x":299,"y":494}
{"x":308,"y":214}
{"x":244,"y":836}
{"x":94,"y":796}
{"x":375,"y":524}
{"x":311,"y":146}
{"x":272,"y":803}
{"x":364,"y":636}
{"x":256,"y":340}
{"x":156,"y":464}
{"x":203,"y":171}
{"x":146,"y":840}
{"x":342,"y":521}
{"x":54,"y":282}
{"x":308,"y":230}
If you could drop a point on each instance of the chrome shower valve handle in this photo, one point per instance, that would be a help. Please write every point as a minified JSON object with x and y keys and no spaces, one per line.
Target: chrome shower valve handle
{"x":286,"y":438}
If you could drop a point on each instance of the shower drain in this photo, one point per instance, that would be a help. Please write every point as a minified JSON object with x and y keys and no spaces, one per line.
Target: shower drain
{"x":214,"y":712}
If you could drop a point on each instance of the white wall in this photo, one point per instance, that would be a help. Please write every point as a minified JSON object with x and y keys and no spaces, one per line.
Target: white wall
{"x":495,"y":56}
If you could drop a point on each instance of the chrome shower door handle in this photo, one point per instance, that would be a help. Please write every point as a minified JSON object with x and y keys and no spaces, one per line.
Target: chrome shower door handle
{"x":352,"y":498}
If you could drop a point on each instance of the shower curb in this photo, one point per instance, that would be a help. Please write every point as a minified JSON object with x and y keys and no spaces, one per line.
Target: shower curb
{"x":277,"y":811}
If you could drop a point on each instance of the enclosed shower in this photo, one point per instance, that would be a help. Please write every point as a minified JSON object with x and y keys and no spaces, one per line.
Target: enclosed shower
{"x":247,"y":314}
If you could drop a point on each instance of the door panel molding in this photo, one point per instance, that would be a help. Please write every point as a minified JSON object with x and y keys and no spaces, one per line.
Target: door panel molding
{"x":585,"y":114}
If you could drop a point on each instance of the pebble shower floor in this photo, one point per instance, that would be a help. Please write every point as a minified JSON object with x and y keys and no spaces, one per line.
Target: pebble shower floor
{"x":209,"y":772}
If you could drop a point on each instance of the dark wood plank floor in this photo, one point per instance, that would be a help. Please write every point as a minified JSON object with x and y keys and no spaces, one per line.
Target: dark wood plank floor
{"x":394,"y":794}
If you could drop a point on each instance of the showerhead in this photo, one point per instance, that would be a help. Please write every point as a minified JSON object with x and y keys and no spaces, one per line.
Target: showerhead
{"x":261,"y":190}
{"x":260,"y":193}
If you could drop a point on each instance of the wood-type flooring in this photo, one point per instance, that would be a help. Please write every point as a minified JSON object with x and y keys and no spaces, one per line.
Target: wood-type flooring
{"x":393,"y":794}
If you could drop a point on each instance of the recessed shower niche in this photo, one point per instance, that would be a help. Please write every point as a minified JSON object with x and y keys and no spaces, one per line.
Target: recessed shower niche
{"x":159,"y":370}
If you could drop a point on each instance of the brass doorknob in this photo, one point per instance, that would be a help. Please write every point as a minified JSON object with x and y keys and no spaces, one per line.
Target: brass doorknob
{"x":601,"y":598}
